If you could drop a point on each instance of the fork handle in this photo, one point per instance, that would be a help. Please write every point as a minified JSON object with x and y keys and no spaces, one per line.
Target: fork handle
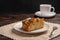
{"x":51,"y":34}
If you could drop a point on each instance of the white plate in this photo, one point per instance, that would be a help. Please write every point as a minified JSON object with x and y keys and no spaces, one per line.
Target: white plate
{"x":18,"y":27}
{"x":50,"y":14}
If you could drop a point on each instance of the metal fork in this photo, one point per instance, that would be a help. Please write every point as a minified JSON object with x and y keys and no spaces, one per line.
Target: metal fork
{"x":54,"y":28}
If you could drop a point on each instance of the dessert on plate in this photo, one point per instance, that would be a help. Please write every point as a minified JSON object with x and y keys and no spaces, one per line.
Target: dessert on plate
{"x":32,"y":24}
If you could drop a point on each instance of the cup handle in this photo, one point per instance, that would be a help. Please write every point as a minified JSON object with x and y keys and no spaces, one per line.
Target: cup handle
{"x":53,"y":9}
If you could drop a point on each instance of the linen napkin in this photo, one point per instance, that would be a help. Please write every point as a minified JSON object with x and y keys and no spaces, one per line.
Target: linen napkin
{"x":7,"y":30}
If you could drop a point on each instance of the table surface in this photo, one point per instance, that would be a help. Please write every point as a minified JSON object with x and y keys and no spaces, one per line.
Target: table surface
{"x":11,"y":18}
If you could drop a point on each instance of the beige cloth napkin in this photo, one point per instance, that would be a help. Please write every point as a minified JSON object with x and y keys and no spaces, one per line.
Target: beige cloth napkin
{"x":7,"y":31}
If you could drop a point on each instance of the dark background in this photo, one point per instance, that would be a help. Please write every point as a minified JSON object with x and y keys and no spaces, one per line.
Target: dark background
{"x":26,"y":6}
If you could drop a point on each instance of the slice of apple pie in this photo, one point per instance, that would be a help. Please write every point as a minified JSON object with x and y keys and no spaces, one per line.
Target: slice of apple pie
{"x":33,"y":24}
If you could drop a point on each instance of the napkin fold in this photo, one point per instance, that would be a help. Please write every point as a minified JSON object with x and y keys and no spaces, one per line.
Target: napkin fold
{"x":7,"y":30}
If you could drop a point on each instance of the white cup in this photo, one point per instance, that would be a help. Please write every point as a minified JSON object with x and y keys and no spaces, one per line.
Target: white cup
{"x":46,"y":8}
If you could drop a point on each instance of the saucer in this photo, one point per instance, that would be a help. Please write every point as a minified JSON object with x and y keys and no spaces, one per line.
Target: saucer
{"x":40,"y":14}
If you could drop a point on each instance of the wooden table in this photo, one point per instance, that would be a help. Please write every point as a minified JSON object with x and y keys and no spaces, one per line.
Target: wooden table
{"x":10,"y":18}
